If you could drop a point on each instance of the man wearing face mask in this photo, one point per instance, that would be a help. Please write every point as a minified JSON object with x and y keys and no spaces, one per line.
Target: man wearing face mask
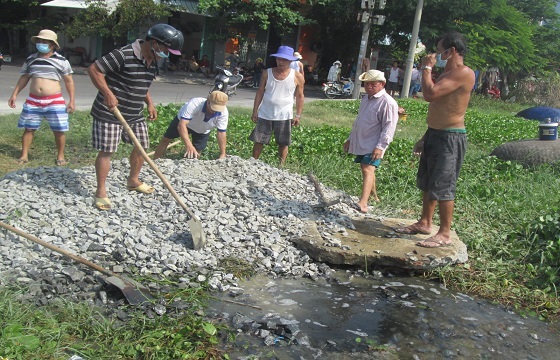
{"x":442,"y":148}
{"x":123,"y":78}
{"x":45,"y":69}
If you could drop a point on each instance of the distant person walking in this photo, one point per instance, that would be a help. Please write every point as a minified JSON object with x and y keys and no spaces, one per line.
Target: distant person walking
{"x":394,"y":77}
{"x":274,"y":104}
{"x":442,"y":148}
{"x":45,"y":69}
{"x":297,"y":65}
{"x":334,"y":72}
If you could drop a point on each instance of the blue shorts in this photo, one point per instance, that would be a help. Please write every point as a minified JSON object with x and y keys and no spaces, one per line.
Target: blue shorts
{"x":36,"y":108}
{"x":199,"y":141}
{"x":366,"y":159}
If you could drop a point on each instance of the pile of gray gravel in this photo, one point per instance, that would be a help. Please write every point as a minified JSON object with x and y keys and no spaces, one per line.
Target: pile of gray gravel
{"x":250,"y":211}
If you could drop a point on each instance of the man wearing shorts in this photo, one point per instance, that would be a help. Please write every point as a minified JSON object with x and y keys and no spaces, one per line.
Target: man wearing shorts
{"x":442,"y":148}
{"x":46,"y":69}
{"x":274,"y":104}
{"x":123,"y":78}
{"x":197,"y":117}
{"x":372,"y":132}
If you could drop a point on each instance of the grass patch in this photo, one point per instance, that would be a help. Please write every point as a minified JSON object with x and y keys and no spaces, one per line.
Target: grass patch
{"x":506,"y":214}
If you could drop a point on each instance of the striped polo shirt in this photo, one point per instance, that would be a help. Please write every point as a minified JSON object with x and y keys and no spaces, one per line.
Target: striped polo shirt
{"x":54,"y":67}
{"x":129,"y":78}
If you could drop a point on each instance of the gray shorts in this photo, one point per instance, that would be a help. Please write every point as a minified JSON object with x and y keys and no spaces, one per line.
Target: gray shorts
{"x":106,"y":136}
{"x":440,"y":163}
{"x":263,"y":132}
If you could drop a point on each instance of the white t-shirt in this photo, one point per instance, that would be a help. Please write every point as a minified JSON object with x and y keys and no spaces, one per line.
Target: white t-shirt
{"x":333,"y":73}
{"x":195,"y":112}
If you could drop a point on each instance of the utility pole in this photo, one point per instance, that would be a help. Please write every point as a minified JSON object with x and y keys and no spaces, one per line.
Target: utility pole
{"x":412,"y":49}
{"x":367,"y":18}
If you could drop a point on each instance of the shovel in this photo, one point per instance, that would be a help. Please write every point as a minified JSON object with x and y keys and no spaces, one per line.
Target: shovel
{"x":323,"y":201}
{"x":134,"y":292}
{"x":198,"y":235}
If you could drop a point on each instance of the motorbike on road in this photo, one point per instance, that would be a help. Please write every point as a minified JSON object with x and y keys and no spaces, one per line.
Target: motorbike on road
{"x":334,"y":89}
{"x":226,"y":81}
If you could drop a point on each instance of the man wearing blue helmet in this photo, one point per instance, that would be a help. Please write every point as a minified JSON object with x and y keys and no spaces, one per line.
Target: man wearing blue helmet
{"x":123,"y":78}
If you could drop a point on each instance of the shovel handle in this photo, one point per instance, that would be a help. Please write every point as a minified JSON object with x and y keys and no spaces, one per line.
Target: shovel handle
{"x":150,"y":162}
{"x":317,"y":187}
{"x":57,"y":249}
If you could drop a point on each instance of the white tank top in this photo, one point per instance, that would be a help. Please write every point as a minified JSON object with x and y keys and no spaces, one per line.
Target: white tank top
{"x":278,"y":99}
{"x":394,"y":75}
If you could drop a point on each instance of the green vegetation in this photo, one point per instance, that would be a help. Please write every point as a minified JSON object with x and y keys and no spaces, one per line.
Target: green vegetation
{"x":508,"y":216}
{"x":58,"y":331}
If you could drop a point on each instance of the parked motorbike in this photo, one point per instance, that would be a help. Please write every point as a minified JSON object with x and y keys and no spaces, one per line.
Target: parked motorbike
{"x":226,"y":81}
{"x":334,"y":89}
{"x":248,"y":80}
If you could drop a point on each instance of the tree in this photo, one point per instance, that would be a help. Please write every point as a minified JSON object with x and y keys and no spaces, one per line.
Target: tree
{"x":17,"y":15}
{"x":284,"y":15}
{"x":98,"y":19}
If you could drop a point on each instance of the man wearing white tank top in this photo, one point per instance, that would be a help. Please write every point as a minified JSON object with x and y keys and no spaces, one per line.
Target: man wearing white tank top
{"x":273,"y":108}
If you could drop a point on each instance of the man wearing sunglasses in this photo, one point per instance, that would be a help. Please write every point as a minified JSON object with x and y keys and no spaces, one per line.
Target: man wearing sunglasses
{"x":442,"y":148}
{"x":123,"y":78}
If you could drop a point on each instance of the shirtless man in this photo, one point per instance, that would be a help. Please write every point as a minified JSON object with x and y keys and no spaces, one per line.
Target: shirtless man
{"x":442,"y":148}
{"x":273,"y":108}
{"x":46,"y":69}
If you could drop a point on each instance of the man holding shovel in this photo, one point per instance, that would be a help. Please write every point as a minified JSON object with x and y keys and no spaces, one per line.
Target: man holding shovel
{"x":123,"y":78}
{"x":372,"y":132}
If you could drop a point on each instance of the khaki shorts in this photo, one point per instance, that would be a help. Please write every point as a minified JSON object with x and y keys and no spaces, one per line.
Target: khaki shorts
{"x":282,"y":130}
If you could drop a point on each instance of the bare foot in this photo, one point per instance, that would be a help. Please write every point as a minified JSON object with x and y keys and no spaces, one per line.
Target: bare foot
{"x":414,"y":229}
{"x":435,"y":241}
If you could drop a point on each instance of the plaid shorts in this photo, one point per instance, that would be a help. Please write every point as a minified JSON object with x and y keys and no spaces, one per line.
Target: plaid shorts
{"x":52,"y":108}
{"x":263,"y":132}
{"x":106,"y":136}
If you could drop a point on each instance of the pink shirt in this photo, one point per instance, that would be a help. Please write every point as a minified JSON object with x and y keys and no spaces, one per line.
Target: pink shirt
{"x":375,"y":124}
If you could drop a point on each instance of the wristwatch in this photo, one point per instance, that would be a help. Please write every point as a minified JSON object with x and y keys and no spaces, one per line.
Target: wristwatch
{"x":426,"y":67}
{"x":298,"y":116}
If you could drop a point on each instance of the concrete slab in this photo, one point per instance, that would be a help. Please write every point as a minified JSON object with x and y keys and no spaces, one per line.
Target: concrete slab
{"x":374,"y":242}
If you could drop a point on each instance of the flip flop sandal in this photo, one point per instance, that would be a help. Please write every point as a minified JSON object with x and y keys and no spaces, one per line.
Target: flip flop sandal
{"x":412,"y":230}
{"x":103,"y":203}
{"x":436,"y":243}
{"x":142,"y":188}
{"x":62,"y":162}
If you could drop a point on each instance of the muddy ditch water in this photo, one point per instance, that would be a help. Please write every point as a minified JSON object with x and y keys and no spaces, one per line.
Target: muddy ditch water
{"x":379,"y":316}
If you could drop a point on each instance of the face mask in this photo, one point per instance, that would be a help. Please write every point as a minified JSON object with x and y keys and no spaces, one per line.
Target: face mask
{"x":440,"y":62}
{"x":160,"y":53}
{"x":43,"y":48}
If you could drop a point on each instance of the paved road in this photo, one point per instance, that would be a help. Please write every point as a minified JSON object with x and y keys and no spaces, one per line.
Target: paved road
{"x":176,"y":88}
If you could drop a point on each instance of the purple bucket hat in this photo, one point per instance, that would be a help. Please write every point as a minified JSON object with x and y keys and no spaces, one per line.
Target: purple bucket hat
{"x":285,"y":52}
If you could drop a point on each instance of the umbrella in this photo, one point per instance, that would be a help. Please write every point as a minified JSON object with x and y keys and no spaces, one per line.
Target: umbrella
{"x":540,"y":113}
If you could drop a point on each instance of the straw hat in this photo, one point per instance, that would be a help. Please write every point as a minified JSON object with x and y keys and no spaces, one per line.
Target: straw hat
{"x":296,"y":54}
{"x":372,"y":75}
{"x":46,"y":35}
{"x":285,"y":52}
{"x":217,"y":100}
{"x":337,"y":62}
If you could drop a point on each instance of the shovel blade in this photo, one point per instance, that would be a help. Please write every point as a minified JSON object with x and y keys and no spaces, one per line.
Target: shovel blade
{"x":133,"y":291}
{"x":197,"y":233}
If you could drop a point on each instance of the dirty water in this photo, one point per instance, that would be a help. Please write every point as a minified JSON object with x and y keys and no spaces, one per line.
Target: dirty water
{"x":351,"y":316}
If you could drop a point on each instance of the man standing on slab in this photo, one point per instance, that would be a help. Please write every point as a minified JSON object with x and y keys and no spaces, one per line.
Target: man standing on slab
{"x":442,"y":148}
